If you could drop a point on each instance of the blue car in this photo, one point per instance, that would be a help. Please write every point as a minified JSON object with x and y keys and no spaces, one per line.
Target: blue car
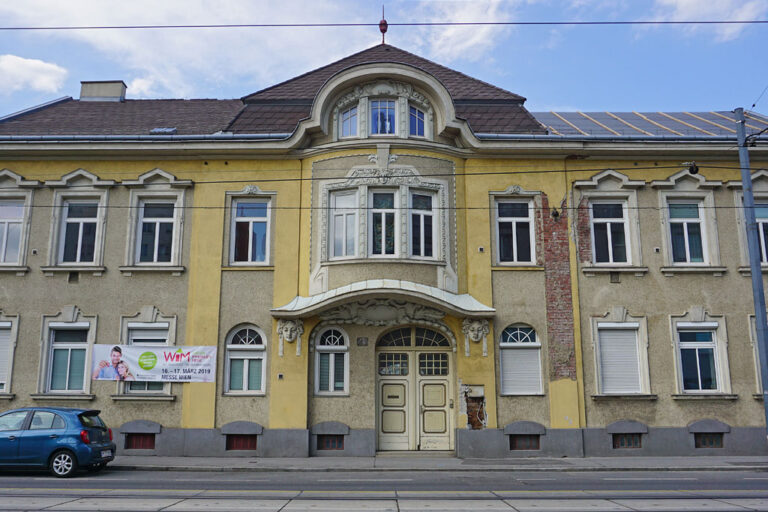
{"x":59,"y":438}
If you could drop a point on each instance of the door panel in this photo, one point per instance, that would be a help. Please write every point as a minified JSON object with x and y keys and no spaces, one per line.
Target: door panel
{"x":394,"y":417}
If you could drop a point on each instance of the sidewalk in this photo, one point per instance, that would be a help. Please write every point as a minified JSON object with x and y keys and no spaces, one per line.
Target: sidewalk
{"x":432,"y":463}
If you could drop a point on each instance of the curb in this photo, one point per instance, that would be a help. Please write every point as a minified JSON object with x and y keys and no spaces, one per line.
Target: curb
{"x":558,"y":469}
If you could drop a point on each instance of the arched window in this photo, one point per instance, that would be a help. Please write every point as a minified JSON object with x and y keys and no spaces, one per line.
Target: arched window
{"x":520,"y":358}
{"x":246,"y":360}
{"x":332,"y":362}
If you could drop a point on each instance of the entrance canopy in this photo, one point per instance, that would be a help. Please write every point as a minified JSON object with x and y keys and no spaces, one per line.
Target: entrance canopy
{"x":463,"y":305}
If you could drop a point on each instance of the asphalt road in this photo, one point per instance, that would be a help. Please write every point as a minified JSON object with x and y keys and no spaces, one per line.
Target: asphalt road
{"x":374,"y":490}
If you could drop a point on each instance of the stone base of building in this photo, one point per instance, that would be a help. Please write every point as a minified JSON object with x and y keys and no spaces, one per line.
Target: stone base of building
{"x":470,"y":444}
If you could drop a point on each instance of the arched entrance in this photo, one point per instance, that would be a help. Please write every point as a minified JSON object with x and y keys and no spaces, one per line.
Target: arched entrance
{"x":414,"y":390}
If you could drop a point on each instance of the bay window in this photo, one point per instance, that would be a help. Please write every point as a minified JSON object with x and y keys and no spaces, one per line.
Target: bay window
{"x":383,"y":230}
{"x":343,"y":224}
{"x":422,"y":225}
{"x":383,"y":117}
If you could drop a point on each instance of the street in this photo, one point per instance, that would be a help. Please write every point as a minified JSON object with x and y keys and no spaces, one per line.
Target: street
{"x":391,"y":490}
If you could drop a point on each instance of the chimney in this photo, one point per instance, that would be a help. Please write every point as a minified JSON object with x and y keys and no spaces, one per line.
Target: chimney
{"x":105,"y":90}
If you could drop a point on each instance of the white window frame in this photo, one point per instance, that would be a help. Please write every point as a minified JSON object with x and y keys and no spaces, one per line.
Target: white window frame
{"x":247,"y":354}
{"x":422,"y":214}
{"x":395,"y":109}
{"x":395,"y":210}
{"x":700,"y":220}
{"x":138,"y":200}
{"x":149,"y":331}
{"x":66,"y":220}
{"x":704,"y":197}
{"x":625,"y":223}
{"x":9,"y":323}
{"x":344,"y":115}
{"x":62,"y":198}
{"x":640,"y":329}
{"x":761,"y":197}
{"x":250,"y":220}
{"x":23,"y":228}
{"x":54,"y":327}
{"x":344,"y":213}
{"x":702,"y":322}
{"x":529,"y":346}
{"x":425,"y":120}
{"x":755,"y":350}
{"x":531,"y":231}
{"x":334,"y":351}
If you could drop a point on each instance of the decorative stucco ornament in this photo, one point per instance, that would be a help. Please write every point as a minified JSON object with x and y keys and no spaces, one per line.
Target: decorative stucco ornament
{"x":475,"y":330}
{"x":381,"y":312}
{"x":290,"y":331}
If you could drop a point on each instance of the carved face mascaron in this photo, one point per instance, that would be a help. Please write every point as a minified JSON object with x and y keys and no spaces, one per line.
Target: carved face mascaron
{"x":477,"y":330}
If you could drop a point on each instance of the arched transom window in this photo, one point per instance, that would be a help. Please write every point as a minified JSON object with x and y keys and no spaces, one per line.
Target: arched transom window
{"x":414,"y":337}
{"x":520,"y":360}
{"x":246,"y":359}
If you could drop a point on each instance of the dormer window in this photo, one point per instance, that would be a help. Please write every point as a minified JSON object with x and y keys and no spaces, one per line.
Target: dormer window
{"x":348,"y":125}
{"x":383,"y":117}
{"x":416,"y":122}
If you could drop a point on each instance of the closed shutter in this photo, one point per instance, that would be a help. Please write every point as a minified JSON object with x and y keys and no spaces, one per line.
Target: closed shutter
{"x":520,"y":371}
{"x":5,"y":358}
{"x":619,"y":363}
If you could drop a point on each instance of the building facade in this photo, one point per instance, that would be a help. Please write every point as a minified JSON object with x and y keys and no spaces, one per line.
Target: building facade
{"x":388,"y":255}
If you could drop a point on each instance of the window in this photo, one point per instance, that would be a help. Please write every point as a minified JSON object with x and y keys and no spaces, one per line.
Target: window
{"x":514,"y":232}
{"x":150,"y":336}
{"x":383,"y":231}
{"x":627,"y":441}
{"x":6,"y":356}
{"x":67,"y":359}
{"x":250,"y":231}
{"x":343,"y":224}
{"x":139,"y":441}
{"x":708,"y":440}
{"x":331,"y":362}
{"x":698,"y":360}
{"x":157,"y":222}
{"x":619,"y":359}
{"x":246,"y":353}
{"x":685,"y":231}
{"x":242,"y":442}
{"x":524,"y":442}
{"x":761,"y":216}
{"x":416,"y":118}
{"x":12,"y":420}
{"x":422,"y":225}
{"x":609,"y":232}
{"x":44,"y":420}
{"x":330,"y":442}
{"x":348,"y":124}
{"x":78,"y":232}
{"x":11,"y":220}
{"x":382,"y":117}
{"x":520,"y":361}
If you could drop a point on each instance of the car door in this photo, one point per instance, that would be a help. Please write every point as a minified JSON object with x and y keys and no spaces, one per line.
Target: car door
{"x":45,"y":433}
{"x":11,"y":427}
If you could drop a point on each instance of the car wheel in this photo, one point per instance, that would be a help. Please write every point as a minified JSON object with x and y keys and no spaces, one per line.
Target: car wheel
{"x":63,"y":464}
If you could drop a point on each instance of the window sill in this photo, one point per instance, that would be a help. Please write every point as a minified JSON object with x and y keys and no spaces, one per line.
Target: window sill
{"x":248,"y":268}
{"x":20,"y":271}
{"x":504,"y":267}
{"x":746,"y":271}
{"x":623,"y":397}
{"x":387,"y":260}
{"x":96,"y":269}
{"x":758,"y":396}
{"x":705,"y":396}
{"x":254,"y":394}
{"x":143,"y":398}
{"x":332,"y":395}
{"x":691,"y":269}
{"x":591,"y":270}
{"x":173,"y":270}
{"x":11,"y":396}
{"x":62,"y":397}
{"x":516,"y":395}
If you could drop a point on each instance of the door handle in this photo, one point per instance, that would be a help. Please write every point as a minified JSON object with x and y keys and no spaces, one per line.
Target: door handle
{"x":11,"y":438}
{"x":450,"y":404}
{"x":53,"y":436}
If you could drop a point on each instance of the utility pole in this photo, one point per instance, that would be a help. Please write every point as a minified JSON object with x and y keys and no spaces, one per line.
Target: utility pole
{"x":761,"y":324}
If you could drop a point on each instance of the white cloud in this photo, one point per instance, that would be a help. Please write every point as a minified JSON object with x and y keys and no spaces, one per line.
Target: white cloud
{"x":18,"y":73}
{"x":711,"y":10}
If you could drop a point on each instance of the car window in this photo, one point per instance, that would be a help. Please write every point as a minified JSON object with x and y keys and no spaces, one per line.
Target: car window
{"x":12,"y":420}
{"x":91,"y":421}
{"x":46,"y":420}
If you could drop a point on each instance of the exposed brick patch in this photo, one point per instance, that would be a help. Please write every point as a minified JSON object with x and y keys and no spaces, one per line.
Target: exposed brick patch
{"x":475,"y":412}
{"x":583,"y":232}
{"x":557,"y":270}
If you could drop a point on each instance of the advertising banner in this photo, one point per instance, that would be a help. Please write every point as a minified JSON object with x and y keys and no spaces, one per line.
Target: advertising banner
{"x":153,"y":364}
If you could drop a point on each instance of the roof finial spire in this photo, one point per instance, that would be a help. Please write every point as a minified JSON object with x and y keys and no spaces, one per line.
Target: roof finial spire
{"x":382,"y":24}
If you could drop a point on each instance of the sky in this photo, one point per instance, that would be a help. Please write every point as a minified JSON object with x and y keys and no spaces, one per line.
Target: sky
{"x":563,"y":68}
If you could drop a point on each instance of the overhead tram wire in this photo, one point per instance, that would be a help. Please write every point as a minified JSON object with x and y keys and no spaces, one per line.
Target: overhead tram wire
{"x":394,"y":24}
